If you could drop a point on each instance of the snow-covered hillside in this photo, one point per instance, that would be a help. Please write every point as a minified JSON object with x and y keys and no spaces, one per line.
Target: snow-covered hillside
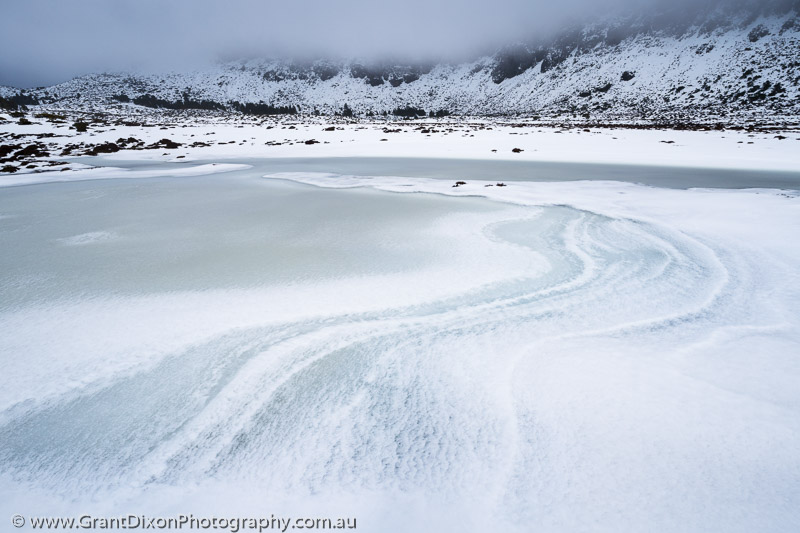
{"x":717,"y":64}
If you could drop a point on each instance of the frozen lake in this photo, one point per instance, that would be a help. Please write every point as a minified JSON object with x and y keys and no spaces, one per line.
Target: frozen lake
{"x":574,"y":356}
{"x":537,"y":171}
{"x":504,"y":170}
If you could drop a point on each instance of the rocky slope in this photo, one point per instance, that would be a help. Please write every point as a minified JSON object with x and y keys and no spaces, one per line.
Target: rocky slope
{"x":718,"y":61}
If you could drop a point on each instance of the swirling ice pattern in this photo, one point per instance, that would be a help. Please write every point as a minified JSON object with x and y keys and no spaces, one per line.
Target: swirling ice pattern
{"x":442,"y":396}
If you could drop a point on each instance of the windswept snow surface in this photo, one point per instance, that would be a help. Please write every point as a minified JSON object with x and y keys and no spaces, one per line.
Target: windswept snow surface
{"x":582,"y":356}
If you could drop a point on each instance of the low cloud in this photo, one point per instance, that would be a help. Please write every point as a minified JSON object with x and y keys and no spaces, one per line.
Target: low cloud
{"x":47,"y":41}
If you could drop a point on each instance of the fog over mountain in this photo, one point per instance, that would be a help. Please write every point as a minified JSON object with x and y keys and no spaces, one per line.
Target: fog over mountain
{"x":670,"y":62}
{"x":47,"y":41}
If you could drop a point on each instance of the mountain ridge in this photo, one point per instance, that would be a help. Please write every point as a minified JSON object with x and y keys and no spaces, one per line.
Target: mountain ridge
{"x":716,"y":61}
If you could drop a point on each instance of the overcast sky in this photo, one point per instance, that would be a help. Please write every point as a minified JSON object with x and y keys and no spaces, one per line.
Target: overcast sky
{"x":47,"y":41}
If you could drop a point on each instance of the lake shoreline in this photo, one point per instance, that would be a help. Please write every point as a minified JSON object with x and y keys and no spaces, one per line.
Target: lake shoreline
{"x":417,"y":148}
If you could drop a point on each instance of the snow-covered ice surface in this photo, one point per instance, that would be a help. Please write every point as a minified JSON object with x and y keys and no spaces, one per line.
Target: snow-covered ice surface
{"x":575,"y":356}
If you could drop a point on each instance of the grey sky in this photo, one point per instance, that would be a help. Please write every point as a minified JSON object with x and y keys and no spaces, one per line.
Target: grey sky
{"x":46,"y":41}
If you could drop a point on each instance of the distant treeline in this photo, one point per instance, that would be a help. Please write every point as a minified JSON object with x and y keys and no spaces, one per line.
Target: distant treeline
{"x":148,"y":100}
{"x":414,"y":112}
{"x":405,"y":112}
{"x":263,"y":109}
{"x":260,"y":108}
{"x":18,"y":101}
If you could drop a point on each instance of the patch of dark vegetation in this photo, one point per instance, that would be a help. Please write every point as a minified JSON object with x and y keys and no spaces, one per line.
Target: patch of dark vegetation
{"x":167,"y":144}
{"x":758,"y":93}
{"x":129,"y":142}
{"x":346,"y":111}
{"x":409,"y":112}
{"x":32,"y":150}
{"x":6,"y":149}
{"x":627,"y":75}
{"x":261,"y":108}
{"x":80,"y":126}
{"x":148,"y":100}
{"x":50,"y":116}
{"x":439,"y":114}
{"x":22,"y":153}
{"x":105,"y":148}
{"x":18,"y":101}
{"x":124,"y":98}
{"x":9,"y":168}
{"x":777,"y":89}
{"x":7,"y":105}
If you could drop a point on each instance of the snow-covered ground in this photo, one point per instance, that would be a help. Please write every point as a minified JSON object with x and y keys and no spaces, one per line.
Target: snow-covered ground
{"x":451,"y":139}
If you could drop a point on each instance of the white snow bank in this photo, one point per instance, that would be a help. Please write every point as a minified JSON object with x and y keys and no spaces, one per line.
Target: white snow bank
{"x":104,"y":173}
{"x":485,"y":140}
{"x":709,"y":149}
